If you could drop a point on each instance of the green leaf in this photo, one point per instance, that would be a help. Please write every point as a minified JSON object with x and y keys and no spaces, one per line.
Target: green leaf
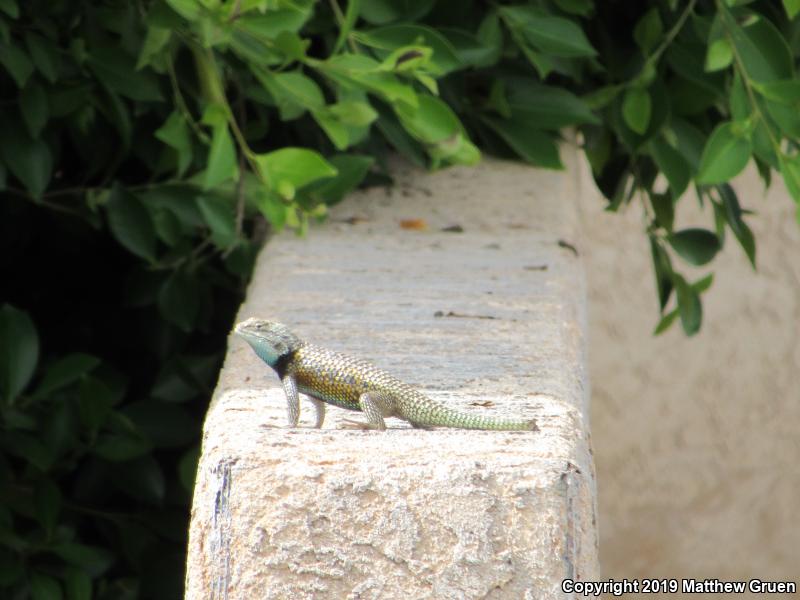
{"x":786,"y":91}
{"x":221,"y":158}
{"x":786,"y":117}
{"x":400,"y":140}
{"x":720,"y":55}
{"x":338,"y":132}
{"x":664,"y":209}
{"x":131,"y":224}
{"x":672,"y":164}
{"x":155,"y":41}
{"x":219,"y":215}
{"x":761,"y":49}
{"x":16,"y":63}
{"x":555,"y":36}
{"x":357,"y":70}
{"x":790,"y":170}
{"x":724,"y":156}
{"x":44,"y":587}
{"x":583,"y":8}
{"x":689,"y":306}
{"x":178,"y":300}
{"x":353,"y":112}
{"x":648,"y":30}
{"x":351,"y":168}
{"x":733,"y":214}
{"x":701,"y":285}
{"x":296,"y":166}
{"x":601,"y":97}
{"x":293,"y":93}
{"x":67,"y":370}
{"x":270,"y":205}
{"x":78,"y":585}
{"x":663,"y":271}
{"x":470,"y":50}
{"x":350,"y":17}
{"x":739,"y":101}
{"x":666,"y":322}
{"x":47,"y":499}
{"x":44,"y":55}
{"x":435,"y":124}
{"x":19,"y":351}
{"x":291,"y":46}
{"x":792,"y":8}
{"x":636,"y":109}
{"x":695,"y":246}
{"x":387,"y":39}
{"x":175,"y":133}
{"x":188,"y":9}
{"x":531,"y":144}
{"x":28,"y":159}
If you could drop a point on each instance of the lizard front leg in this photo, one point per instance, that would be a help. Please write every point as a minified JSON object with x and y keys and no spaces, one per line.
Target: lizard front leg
{"x":292,"y":399}
{"x":375,"y":407}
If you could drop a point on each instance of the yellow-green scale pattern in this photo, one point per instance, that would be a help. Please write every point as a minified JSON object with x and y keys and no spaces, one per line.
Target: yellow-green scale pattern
{"x":340,"y":380}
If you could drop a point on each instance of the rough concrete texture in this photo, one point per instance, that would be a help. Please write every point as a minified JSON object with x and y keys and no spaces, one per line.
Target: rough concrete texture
{"x":407,"y":513}
{"x":697,"y":439}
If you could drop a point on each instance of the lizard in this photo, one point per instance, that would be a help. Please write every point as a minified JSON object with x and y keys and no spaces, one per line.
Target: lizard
{"x":326,"y":376}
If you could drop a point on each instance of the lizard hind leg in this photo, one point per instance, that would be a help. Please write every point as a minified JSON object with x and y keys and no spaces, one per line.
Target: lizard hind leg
{"x":319,"y":406}
{"x":376,"y":407}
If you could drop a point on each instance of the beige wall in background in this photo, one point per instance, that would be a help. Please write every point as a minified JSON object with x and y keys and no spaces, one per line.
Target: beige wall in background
{"x":697,"y":440}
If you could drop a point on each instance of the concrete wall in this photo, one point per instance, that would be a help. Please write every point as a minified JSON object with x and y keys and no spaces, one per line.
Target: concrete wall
{"x":697,"y":440}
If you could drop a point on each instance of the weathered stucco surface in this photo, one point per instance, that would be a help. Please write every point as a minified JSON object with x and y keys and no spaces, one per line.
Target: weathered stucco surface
{"x":697,"y":440}
{"x":490,"y":318}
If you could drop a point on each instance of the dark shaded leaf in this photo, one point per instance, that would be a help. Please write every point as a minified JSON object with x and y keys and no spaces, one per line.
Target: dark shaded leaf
{"x":179,"y":299}
{"x":531,"y":144}
{"x":44,"y":587}
{"x":167,"y":425}
{"x":94,"y":560}
{"x":672,"y":164}
{"x":47,"y":498}
{"x":16,"y":62}
{"x":19,"y":351}
{"x":64,"y":372}
{"x":131,"y":224}
{"x":663,"y":271}
{"x":695,"y":246}
{"x":141,"y":479}
{"x":351,"y":168}
{"x":733,"y":214}
{"x":28,"y":159}
{"x":33,"y":105}
{"x":636,"y":109}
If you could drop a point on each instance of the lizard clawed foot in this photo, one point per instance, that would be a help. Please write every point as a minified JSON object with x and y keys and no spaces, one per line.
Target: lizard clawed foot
{"x":359,"y":425}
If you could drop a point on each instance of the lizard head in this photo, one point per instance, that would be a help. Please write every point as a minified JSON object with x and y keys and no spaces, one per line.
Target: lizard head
{"x":270,"y":340}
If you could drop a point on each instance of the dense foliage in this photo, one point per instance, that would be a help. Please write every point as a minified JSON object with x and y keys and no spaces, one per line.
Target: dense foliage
{"x":144,"y":146}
